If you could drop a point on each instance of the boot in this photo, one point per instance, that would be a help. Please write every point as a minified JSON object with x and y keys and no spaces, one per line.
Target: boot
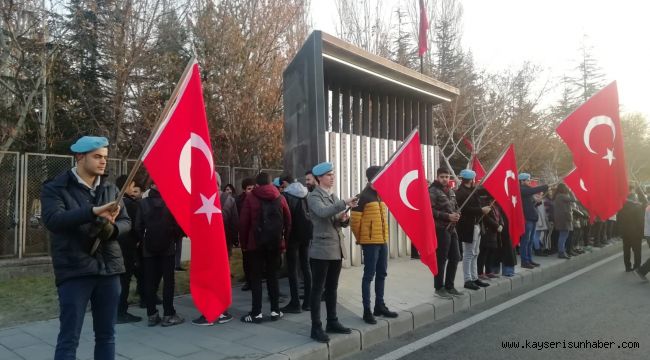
{"x":382,"y":310}
{"x":318,"y":334}
{"x":334,"y":326}
{"x":368,"y":317}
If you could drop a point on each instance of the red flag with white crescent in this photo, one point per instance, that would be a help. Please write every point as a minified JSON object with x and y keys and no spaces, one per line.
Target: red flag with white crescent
{"x":503,"y":184}
{"x":180,"y":162}
{"x":402,"y":185}
{"x":593,"y":134}
{"x":576,"y":183}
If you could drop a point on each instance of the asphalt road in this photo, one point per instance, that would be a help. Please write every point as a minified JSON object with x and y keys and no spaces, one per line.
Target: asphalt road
{"x":603,"y":306}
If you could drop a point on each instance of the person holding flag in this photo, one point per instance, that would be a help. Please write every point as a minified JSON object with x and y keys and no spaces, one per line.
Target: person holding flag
{"x":446,"y":215}
{"x":530,"y":214}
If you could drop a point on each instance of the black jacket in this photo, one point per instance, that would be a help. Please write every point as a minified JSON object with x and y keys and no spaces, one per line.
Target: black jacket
{"x":443,"y":203}
{"x":165,"y":226}
{"x":129,"y":242}
{"x":67,"y":214}
{"x":470,"y":214}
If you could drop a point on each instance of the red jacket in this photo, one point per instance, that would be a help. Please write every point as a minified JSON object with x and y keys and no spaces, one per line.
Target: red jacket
{"x":250,"y":214}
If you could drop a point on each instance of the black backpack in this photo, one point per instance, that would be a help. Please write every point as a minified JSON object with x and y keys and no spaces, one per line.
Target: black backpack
{"x":160,"y":227}
{"x":301,"y":226}
{"x":268,"y":232}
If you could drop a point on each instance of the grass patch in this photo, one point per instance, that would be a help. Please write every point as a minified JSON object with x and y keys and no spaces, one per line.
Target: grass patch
{"x":33,"y":298}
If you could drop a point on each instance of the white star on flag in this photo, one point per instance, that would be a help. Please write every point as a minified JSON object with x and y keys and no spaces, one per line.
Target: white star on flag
{"x":208,"y":208}
{"x":514,"y":201}
{"x":609,"y":157}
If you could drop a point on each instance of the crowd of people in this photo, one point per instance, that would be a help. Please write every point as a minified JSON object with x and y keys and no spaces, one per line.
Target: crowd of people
{"x":98,"y":247}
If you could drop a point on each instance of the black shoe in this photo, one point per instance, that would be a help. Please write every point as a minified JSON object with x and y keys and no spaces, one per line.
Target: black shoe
{"x":202,"y":321}
{"x":481,"y":283}
{"x":337,"y":328}
{"x":172,"y":320}
{"x":368,"y":317}
{"x":534,"y":264}
{"x":470,"y":285}
{"x":291,"y":308}
{"x":306,"y":306}
{"x":127,"y":318}
{"x":382,"y":310}
{"x":251,"y":318}
{"x":154,"y":319}
{"x":319,"y":335}
{"x":246,"y":287}
{"x":629,"y":269}
{"x":454,"y":292}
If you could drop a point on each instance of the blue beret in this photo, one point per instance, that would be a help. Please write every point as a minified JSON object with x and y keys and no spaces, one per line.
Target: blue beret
{"x":468,"y":174}
{"x":322,"y":169}
{"x":524,"y":176}
{"x":89,"y":143}
{"x":276,"y":181}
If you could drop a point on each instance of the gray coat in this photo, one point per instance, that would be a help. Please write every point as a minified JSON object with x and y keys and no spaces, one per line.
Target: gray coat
{"x":563,"y":215}
{"x":327,"y":241}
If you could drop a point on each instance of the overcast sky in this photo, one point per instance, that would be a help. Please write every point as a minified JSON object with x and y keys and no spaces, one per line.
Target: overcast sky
{"x":505,"y":33}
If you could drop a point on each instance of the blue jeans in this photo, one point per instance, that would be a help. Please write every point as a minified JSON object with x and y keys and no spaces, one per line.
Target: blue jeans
{"x":526,"y":243}
{"x":561,"y":242}
{"x":74,"y":294}
{"x":539,"y":234}
{"x":375,"y":263}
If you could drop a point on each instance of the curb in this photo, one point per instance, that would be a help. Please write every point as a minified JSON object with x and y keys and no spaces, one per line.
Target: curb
{"x":365,"y":336}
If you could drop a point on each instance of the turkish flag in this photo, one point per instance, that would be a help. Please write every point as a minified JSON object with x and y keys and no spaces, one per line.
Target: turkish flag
{"x":402,"y":185}
{"x":593,"y":134}
{"x":180,"y":162}
{"x":579,"y":188}
{"x":424,"y":26}
{"x":478,"y":168}
{"x":503,"y":184}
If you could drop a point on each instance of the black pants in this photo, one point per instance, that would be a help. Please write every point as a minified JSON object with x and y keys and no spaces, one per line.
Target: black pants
{"x":178,"y":248}
{"x":631,"y":245}
{"x":447,"y":254}
{"x":325,"y":275}
{"x":487,"y":259}
{"x":298,"y":255}
{"x":125,"y":278}
{"x":263,"y":262}
{"x":154,"y":268}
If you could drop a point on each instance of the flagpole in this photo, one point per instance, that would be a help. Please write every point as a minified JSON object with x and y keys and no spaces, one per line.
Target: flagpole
{"x":138,"y":163}
{"x":483,"y":179}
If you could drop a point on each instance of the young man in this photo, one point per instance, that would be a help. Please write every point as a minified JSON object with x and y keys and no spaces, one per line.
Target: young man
{"x":298,"y":243}
{"x":79,"y":209}
{"x":158,"y":231}
{"x":446,"y":215}
{"x":264,"y":224}
{"x":247,"y":186}
{"x":530,"y":214}
{"x":310,"y":181}
{"x":369,"y":223}
{"x":469,"y":228}
{"x":129,"y":247}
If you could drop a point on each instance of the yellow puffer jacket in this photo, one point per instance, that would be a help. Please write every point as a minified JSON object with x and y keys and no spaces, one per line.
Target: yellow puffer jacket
{"x":369,"y":221}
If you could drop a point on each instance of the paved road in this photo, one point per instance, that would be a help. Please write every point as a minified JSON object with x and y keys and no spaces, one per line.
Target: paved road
{"x":605,"y":304}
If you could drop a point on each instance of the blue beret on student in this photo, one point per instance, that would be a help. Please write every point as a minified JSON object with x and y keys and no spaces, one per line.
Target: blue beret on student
{"x":322,"y":169}
{"x":467,"y":174}
{"x":89,"y":143}
{"x":524,"y":176}
{"x":276,"y":182}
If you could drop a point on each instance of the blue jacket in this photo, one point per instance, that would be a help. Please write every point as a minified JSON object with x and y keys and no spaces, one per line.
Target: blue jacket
{"x":67,"y":213}
{"x":527,"y":192}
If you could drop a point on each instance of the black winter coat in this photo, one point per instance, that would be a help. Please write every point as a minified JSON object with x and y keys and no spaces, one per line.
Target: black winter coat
{"x":443,"y":203}
{"x":470,"y":214}
{"x":67,"y":214}
{"x":165,"y":225}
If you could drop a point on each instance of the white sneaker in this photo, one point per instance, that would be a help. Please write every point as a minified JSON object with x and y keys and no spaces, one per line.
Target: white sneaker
{"x":276,"y":315}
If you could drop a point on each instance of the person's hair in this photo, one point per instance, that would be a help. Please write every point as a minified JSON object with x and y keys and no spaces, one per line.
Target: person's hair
{"x":247,"y":182}
{"x":232,"y":188}
{"x":442,"y":170}
{"x":263,"y":179}
{"x":309,"y":172}
{"x":372,"y":171}
{"x":119,"y":182}
{"x":562,"y":189}
{"x":466,"y":181}
{"x":286,"y":177}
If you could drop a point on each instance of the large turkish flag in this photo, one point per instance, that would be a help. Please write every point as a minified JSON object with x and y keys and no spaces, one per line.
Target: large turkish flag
{"x":402,"y":185}
{"x":503,"y":184}
{"x":180,"y":161}
{"x":593,"y":134}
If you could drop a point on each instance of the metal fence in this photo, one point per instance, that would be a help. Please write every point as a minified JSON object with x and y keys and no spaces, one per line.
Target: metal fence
{"x":22,"y":233}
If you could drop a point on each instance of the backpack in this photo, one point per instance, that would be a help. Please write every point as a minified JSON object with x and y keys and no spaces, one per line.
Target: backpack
{"x":301,"y":226}
{"x":268,"y":232}
{"x":160,"y":228}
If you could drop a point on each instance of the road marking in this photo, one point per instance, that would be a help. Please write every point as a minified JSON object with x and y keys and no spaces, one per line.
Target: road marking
{"x":441,"y":334}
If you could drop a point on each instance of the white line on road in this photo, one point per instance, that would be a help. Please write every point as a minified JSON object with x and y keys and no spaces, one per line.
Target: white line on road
{"x":441,"y":334}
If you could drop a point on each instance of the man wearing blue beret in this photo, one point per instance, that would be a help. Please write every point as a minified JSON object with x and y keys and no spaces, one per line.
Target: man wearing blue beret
{"x":79,"y":210}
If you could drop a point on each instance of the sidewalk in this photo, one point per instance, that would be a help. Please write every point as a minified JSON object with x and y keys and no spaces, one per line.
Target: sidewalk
{"x":409,"y":290}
